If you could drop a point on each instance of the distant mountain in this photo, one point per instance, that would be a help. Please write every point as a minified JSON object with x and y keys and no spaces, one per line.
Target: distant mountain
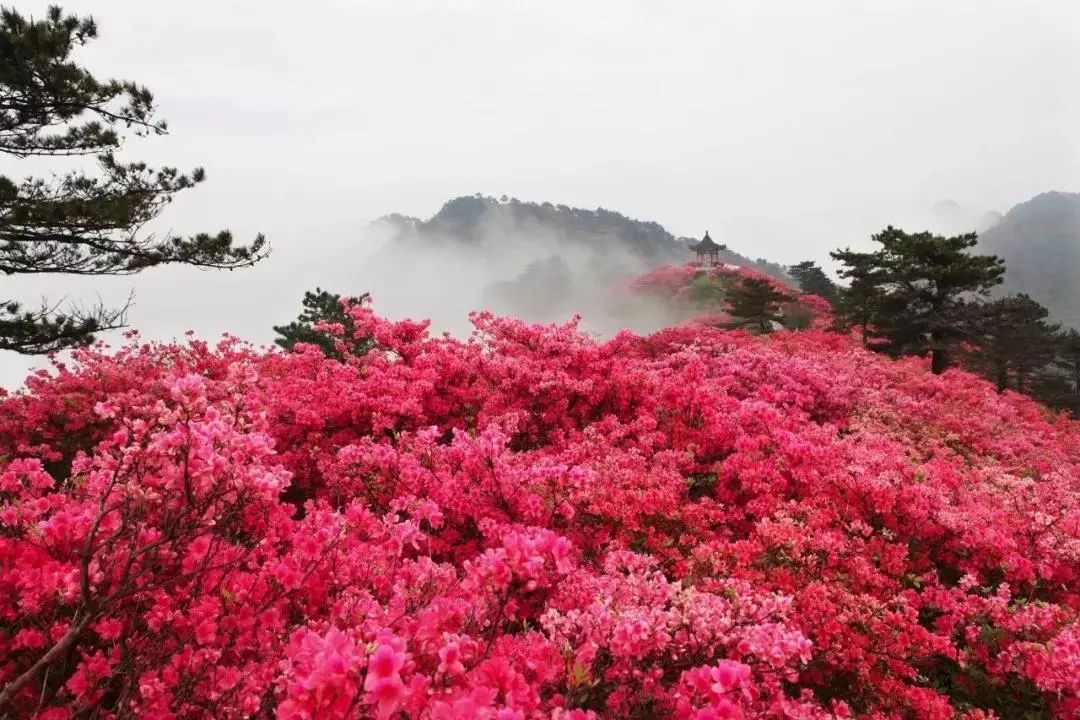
{"x":988,"y":220}
{"x":952,"y":218}
{"x":949,"y":215}
{"x":477,"y":219}
{"x":1040,"y":242}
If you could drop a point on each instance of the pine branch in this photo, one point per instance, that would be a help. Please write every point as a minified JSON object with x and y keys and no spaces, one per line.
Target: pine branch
{"x":47,"y":330}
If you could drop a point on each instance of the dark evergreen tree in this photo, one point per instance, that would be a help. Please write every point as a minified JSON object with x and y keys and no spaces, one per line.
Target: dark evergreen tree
{"x":813,"y":280}
{"x":755,"y":304}
{"x":910,"y":296}
{"x":857,"y":303}
{"x":1068,"y":357}
{"x":76,"y":223}
{"x":325,"y":308}
{"x":1059,"y":385}
{"x":1012,"y":344}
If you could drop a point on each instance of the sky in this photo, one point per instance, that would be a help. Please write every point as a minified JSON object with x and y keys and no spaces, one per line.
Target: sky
{"x":785,"y":128}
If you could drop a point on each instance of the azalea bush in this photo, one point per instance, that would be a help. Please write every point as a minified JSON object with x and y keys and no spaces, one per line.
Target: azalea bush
{"x":531,"y":523}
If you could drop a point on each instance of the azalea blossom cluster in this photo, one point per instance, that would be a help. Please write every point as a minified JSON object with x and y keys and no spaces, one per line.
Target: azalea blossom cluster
{"x":532,"y":523}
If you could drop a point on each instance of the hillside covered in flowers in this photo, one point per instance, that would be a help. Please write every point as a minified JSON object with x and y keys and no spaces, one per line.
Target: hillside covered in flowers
{"x":532,"y":523}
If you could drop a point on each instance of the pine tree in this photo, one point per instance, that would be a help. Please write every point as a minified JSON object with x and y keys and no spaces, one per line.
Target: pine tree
{"x":813,"y":280}
{"x":1013,"y":343}
{"x":857,"y":304}
{"x":910,"y":296}
{"x":755,"y":304}
{"x":1068,"y":358}
{"x":77,"y":223}
{"x":1059,"y":385}
{"x":325,"y":308}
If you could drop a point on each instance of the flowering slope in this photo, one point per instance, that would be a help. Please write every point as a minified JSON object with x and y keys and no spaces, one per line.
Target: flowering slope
{"x":533,"y":524}
{"x":700,"y":294}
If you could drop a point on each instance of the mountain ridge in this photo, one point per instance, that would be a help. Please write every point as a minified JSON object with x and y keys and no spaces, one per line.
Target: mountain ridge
{"x":472,"y":218}
{"x":1039,"y":239}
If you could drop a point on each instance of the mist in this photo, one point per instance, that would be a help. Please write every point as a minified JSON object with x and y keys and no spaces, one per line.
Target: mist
{"x":510,"y":268}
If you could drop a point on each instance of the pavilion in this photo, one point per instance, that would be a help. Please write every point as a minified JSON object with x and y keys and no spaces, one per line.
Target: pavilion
{"x":708,"y":250}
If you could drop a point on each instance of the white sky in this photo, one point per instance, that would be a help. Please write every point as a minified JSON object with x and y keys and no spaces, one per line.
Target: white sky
{"x":786,"y":128}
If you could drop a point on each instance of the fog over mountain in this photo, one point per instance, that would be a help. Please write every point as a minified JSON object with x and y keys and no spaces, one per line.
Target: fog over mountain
{"x":1040,"y":242}
{"x":540,"y":261}
{"x":951,"y":218}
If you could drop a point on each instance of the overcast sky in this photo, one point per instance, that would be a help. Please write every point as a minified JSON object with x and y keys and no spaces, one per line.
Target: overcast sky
{"x":786,"y":128}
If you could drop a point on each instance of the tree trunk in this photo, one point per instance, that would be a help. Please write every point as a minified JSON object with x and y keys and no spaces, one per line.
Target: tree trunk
{"x":61,"y":647}
{"x":939,"y":361}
